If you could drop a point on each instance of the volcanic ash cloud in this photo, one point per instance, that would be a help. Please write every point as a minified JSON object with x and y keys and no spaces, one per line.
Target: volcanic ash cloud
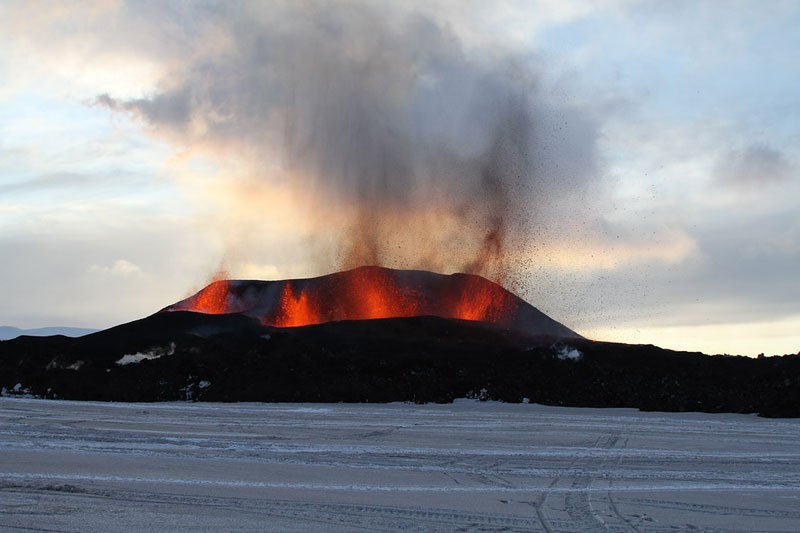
{"x":415,"y":148}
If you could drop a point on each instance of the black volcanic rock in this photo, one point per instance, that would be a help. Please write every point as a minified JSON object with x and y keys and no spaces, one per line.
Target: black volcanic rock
{"x":183,"y":355}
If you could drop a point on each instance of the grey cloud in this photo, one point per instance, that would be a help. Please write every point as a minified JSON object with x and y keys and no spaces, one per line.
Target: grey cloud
{"x":754,"y":165}
{"x":171,"y":108}
{"x":56,"y":280}
{"x":106,"y":100}
{"x":745,"y":270}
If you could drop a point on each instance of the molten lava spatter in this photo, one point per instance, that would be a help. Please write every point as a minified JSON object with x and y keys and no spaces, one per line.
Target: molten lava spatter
{"x":213,"y":299}
{"x":360,"y":294}
{"x":483,"y":302}
{"x":371,"y":293}
{"x":295,"y":309}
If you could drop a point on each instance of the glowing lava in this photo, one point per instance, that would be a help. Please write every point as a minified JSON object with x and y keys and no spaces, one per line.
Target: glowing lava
{"x":213,"y":299}
{"x":483,"y":302}
{"x":360,"y":294}
{"x":367,"y":293}
{"x":295,"y":309}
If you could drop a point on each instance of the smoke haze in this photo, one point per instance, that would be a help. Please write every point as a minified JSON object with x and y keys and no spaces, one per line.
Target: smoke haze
{"x":409,"y":149}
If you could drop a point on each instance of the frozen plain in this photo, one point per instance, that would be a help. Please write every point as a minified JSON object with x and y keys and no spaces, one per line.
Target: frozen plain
{"x":75,"y":466}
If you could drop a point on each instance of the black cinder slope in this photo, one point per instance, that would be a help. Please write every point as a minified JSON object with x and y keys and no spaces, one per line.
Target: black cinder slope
{"x":183,"y":355}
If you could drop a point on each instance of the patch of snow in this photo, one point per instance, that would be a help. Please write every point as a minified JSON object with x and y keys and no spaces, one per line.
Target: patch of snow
{"x":568,"y":353}
{"x":481,"y":395}
{"x":19,"y":391}
{"x":153,"y":353}
{"x":58,"y":364}
{"x":188,"y":392}
{"x":682,"y":471}
{"x":204,"y":384}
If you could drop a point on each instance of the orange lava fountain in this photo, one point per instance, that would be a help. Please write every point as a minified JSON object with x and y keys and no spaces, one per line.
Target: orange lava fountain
{"x":213,"y":300}
{"x":360,"y":294}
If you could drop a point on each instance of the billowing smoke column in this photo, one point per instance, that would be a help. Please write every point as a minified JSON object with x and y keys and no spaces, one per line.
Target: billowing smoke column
{"x":424,"y":151}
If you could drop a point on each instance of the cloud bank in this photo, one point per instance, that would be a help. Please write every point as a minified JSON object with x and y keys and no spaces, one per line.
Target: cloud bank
{"x":754,"y":166}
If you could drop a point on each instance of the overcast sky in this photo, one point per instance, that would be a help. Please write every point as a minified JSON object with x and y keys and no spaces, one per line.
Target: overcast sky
{"x":651,"y":150}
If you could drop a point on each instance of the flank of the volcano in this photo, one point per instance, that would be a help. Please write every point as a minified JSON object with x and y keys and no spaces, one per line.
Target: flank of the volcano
{"x":368,"y":293}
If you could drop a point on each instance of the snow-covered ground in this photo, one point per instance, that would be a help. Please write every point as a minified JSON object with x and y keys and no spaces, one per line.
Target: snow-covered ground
{"x":72,"y":466}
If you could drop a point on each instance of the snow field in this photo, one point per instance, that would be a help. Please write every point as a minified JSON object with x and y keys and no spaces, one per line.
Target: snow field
{"x":477,"y":465}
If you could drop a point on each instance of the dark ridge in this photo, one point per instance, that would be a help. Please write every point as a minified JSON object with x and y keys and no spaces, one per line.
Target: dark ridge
{"x":420,"y":359}
{"x":9,"y":332}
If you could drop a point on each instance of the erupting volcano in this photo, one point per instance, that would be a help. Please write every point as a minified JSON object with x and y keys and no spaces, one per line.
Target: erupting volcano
{"x":368,"y":293}
{"x":375,"y":334}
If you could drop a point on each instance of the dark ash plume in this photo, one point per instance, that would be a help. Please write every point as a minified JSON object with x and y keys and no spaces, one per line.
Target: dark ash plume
{"x":441,"y":155}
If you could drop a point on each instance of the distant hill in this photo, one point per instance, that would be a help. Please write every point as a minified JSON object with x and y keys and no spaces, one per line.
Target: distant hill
{"x":9,"y":332}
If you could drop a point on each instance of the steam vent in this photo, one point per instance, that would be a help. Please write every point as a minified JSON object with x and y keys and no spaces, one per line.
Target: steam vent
{"x":372,"y":293}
